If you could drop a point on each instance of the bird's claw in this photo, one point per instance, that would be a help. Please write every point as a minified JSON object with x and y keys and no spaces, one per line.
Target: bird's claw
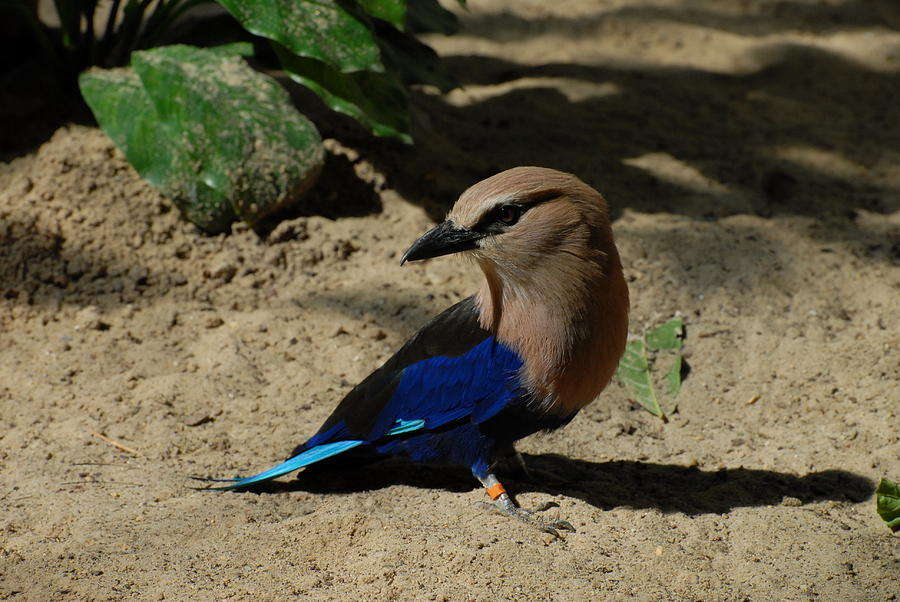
{"x":505,"y":505}
{"x":545,"y":506}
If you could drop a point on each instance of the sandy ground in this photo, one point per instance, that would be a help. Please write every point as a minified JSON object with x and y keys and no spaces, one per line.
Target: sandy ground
{"x":750,"y":152}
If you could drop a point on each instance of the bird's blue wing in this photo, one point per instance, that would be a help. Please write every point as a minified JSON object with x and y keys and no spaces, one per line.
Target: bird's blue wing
{"x":452,"y":369}
{"x":442,"y":389}
{"x":361,"y":414}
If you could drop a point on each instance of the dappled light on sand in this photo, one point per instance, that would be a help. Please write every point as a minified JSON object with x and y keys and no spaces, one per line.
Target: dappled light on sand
{"x":749,"y":154}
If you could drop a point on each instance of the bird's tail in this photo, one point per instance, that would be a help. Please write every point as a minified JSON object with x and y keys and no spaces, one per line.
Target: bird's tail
{"x":311,"y":456}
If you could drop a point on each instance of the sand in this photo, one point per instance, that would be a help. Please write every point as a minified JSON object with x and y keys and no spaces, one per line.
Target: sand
{"x":749,"y":151}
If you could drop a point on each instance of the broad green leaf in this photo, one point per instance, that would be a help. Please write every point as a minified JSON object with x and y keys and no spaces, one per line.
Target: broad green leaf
{"x":331,"y":31}
{"x":217,"y":137}
{"x":124,"y":111}
{"x":376,"y":100}
{"x":416,"y":62}
{"x":236,"y":127}
{"x":667,"y":336}
{"x":224,"y":50}
{"x":425,"y":16}
{"x":887,"y":503}
{"x":634,"y":370}
{"x":392,"y":11}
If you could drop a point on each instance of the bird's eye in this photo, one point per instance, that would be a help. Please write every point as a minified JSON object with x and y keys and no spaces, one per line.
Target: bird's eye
{"x":509,"y":214}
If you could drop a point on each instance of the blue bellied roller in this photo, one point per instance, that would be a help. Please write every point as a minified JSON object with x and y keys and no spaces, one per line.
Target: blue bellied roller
{"x":537,"y":342}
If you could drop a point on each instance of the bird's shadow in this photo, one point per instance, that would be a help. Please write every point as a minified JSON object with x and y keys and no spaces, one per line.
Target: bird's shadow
{"x":604,"y":485}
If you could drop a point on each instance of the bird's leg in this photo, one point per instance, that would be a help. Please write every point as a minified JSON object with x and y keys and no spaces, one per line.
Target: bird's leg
{"x":503,"y":503}
{"x":520,"y":460}
{"x":515,"y":462}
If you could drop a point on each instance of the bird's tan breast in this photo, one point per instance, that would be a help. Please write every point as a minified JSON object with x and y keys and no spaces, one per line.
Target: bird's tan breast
{"x":594,"y":362}
{"x":570,"y":342}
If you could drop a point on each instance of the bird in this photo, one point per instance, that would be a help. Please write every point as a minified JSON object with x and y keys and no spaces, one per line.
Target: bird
{"x":536,"y":343}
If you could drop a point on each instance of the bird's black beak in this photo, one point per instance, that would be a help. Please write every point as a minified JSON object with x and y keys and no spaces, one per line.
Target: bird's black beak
{"x":443,"y":239}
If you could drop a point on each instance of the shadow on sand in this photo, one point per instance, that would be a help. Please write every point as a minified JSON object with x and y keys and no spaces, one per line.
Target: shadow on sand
{"x":604,"y":485}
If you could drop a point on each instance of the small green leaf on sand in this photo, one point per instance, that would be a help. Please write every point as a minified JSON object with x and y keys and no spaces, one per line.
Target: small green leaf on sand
{"x":887,"y":503}
{"x":667,"y":336}
{"x":634,"y":367}
{"x":634,"y":370}
{"x":673,"y":378}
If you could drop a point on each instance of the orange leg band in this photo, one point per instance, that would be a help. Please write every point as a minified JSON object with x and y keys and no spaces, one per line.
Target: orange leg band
{"x":496,"y":491}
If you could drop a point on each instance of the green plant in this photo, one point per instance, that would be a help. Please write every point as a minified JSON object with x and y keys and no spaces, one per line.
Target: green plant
{"x":218,"y":138}
{"x":95,"y":34}
{"x":887,"y":503}
{"x":635,"y":366}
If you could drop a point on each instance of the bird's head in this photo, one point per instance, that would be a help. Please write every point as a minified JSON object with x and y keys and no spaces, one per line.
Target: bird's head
{"x":519,"y":221}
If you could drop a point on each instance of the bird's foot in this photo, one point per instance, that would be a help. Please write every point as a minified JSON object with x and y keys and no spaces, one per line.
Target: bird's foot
{"x":505,"y":505}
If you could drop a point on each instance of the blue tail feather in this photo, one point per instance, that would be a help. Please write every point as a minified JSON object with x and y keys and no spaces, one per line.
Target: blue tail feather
{"x":311,"y":456}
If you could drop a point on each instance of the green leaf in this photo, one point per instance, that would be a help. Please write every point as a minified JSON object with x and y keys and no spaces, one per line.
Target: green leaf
{"x":634,"y":367}
{"x":887,"y":503}
{"x":667,"y":336}
{"x":220,"y":139}
{"x":125,"y":112}
{"x":376,"y":100}
{"x":673,"y":378}
{"x":326,"y":30}
{"x":425,"y":16}
{"x":634,"y":370}
{"x":392,"y":11}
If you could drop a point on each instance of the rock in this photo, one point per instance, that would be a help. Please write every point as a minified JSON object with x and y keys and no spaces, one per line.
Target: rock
{"x":89,"y":319}
{"x":224,"y":271}
{"x":197,"y":418}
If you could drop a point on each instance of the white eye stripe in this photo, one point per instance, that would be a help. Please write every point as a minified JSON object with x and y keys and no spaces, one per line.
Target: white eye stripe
{"x":523,"y":202}
{"x":504,"y":200}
